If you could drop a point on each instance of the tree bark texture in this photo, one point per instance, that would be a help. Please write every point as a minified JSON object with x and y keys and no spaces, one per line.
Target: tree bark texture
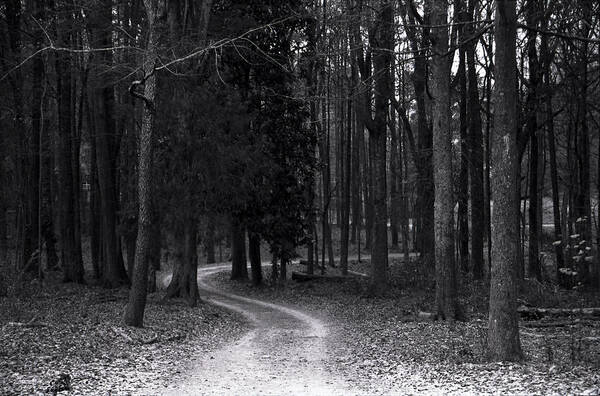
{"x":134,"y":311}
{"x":503,"y":328}
{"x":445,"y":270}
{"x":382,"y":42}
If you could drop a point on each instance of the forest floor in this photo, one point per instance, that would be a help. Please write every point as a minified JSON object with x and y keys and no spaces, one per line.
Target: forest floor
{"x":316,"y":337}
{"x":77,"y":330}
{"x":383,"y":346}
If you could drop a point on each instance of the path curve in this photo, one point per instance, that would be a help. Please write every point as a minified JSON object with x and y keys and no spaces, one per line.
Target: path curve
{"x":285,"y":353}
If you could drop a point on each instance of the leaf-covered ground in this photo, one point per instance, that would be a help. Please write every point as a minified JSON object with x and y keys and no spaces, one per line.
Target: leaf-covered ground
{"x":77,"y":330}
{"x":384,"y":347}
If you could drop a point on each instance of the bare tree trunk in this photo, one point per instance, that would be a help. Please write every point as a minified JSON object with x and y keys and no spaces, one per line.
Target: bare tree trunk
{"x":71,"y":260}
{"x":154,"y":255}
{"x":255,"y":261}
{"x":326,"y":227}
{"x":394,"y":164}
{"x":488,"y":188}
{"x":476,"y":153}
{"x":424,"y":204}
{"x":239,"y":269}
{"x":275,"y":268}
{"x":503,"y":341}
{"x":463,"y":195}
{"x":558,"y":249}
{"x":134,"y":311}
{"x":546,"y":59}
{"x":312,"y":78}
{"x":345,"y":219}
{"x":445,"y":269}
{"x":209,"y":240}
{"x":25,"y":157}
{"x":114,"y":273}
{"x":185,"y":279}
{"x":283,"y":269}
{"x":75,"y":158}
{"x":356,"y":183}
{"x":582,"y":199}
{"x":37,"y":125}
{"x":403,"y":172}
{"x":382,"y":41}
{"x":534,"y":265}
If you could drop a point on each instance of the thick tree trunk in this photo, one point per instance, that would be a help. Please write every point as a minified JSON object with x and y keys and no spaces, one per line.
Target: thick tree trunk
{"x":475,"y":155}
{"x":113,"y":274}
{"x":445,"y":269}
{"x":255,"y":261}
{"x":383,"y":43}
{"x":134,"y":311}
{"x":184,"y":283}
{"x":71,"y":260}
{"x":239,"y":269}
{"x":503,"y":341}
{"x":177,"y":257}
{"x":25,"y":156}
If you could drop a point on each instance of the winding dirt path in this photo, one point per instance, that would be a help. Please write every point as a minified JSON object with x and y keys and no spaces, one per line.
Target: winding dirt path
{"x":284,"y":354}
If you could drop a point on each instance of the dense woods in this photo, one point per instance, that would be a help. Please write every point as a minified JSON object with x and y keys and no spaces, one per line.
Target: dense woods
{"x":461,"y":134}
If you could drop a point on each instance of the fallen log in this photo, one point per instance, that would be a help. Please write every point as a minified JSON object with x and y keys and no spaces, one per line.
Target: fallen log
{"x":302,"y":277}
{"x":532,"y":313}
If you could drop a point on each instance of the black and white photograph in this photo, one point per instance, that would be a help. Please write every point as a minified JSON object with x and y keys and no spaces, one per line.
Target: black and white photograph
{"x":299,"y":197}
